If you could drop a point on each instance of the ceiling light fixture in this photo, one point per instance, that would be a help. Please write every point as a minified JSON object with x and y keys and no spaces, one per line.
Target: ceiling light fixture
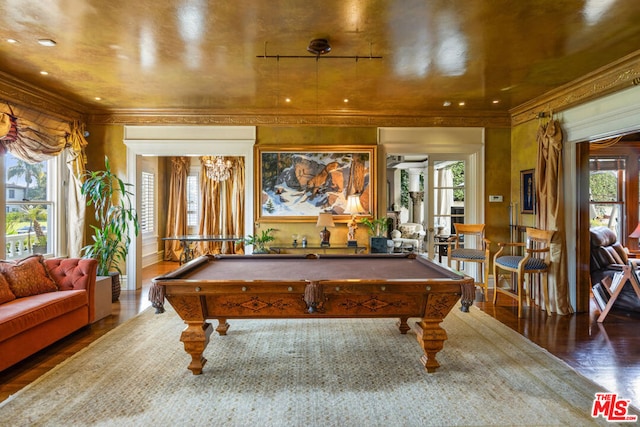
{"x":47,"y":42}
{"x":319,"y":47}
{"x":217,"y":168}
{"x":12,"y":41}
{"x":44,"y":73}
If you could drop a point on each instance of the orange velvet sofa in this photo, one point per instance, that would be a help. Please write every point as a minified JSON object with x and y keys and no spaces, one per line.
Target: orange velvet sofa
{"x":29,"y":323}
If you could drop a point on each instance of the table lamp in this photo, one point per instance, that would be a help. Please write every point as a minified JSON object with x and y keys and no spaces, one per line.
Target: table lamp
{"x":354,"y":207}
{"x":636,"y":232}
{"x":325,"y":219}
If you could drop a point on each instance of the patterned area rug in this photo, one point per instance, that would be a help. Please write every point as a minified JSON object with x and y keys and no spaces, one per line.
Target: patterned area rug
{"x":318,"y":372}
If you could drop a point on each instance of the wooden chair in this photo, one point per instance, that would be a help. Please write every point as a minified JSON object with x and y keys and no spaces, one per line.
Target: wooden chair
{"x":469,"y":245}
{"x":535,"y":260}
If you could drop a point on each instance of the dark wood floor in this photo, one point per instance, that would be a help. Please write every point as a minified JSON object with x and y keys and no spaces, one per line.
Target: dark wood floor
{"x":606,"y":353}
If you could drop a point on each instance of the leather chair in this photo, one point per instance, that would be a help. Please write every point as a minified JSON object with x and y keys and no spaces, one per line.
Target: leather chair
{"x":534,"y":260}
{"x":608,"y":257}
{"x":469,"y":245}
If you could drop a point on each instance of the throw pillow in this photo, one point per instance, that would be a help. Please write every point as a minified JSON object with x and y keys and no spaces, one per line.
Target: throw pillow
{"x":5,"y":292}
{"x":28,"y":276}
{"x":408,"y":231}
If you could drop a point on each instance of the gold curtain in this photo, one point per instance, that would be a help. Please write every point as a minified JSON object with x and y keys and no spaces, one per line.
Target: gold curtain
{"x":177,"y":209}
{"x":39,"y":137}
{"x":222,"y":208}
{"x":209,"y":211}
{"x":234,"y":221}
{"x":550,"y":212}
{"x":76,"y":160}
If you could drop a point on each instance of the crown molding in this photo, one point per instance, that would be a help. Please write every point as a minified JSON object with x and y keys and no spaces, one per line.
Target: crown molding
{"x":30,"y":97}
{"x":618,"y":75}
{"x":339,"y":119}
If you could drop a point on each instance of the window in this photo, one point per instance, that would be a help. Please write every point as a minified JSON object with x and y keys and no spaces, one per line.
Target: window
{"x":449,"y":196}
{"x":147,"y":203}
{"x":606,"y":186}
{"x":29,"y":207}
{"x":193,"y":192}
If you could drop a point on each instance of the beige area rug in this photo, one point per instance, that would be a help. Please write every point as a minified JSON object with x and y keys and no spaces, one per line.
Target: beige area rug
{"x":358,"y":372}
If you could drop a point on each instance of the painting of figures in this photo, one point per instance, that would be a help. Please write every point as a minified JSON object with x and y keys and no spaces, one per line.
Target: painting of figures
{"x":299,"y":184}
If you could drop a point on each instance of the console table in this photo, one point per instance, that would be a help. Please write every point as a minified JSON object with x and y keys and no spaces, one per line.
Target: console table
{"x":318,"y":249}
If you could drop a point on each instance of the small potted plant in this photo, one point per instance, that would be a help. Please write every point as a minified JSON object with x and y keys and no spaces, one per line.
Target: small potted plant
{"x":377,"y":231}
{"x":259,"y":241}
{"x":116,"y":217}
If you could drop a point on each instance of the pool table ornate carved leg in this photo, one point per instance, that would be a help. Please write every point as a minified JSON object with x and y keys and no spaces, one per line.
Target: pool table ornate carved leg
{"x":431,"y":337}
{"x":403,"y":325}
{"x":223,"y":326}
{"x":195,"y":338}
{"x":468,"y":296}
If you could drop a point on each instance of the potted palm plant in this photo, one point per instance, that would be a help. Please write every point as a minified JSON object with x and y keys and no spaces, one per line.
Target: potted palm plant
{"x":259,"y":241}
{"x":116,"y":217}
{"x":377,"y":230}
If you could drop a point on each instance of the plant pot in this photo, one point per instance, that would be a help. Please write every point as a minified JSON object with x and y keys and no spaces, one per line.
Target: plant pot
{"x":39,"y":249}
{"x":115,"y":286}
{"x":378,"y":245}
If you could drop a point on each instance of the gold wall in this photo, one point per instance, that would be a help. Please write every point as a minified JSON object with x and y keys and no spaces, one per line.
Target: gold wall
{"x":524,"y":155}
{"x":499,"y":151}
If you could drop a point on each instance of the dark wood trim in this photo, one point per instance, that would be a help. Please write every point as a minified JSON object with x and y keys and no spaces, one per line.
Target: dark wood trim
{"x":583,"y":277}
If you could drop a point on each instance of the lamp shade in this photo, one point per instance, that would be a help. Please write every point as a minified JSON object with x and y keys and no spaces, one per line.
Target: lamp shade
{"x":325,"y":219}
{"x":636,"y":232}
{"x":353,"y":205}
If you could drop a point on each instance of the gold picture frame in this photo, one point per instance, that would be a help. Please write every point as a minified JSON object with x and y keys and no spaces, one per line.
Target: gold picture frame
{"x":298,"y":183}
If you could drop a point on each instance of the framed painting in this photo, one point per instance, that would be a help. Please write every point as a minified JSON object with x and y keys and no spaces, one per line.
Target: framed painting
{"x":296,"y":184}
{"x":527,"y":191}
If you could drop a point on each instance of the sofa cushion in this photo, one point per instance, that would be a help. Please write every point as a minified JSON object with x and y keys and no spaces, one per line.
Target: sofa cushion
{"x":25,"y":313}
{"x":408,"y":231}
{"x":28,"y":276}
{"x":5,"y":291}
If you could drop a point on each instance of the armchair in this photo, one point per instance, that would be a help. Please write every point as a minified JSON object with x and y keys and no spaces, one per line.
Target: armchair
{"x":470,"y":245}
{"x":409,"y":236}
{"x":535,"y":260}
{"x":609,"y":259}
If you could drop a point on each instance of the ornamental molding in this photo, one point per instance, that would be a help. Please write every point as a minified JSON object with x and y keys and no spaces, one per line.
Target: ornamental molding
{"x":25,"y":95}
{"x":614,"y":77}
{"x":356,"y":119}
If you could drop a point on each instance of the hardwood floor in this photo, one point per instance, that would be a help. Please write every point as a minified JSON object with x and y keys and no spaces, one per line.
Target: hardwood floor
{"x":606,"y":353}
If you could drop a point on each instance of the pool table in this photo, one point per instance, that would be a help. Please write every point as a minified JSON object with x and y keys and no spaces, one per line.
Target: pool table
{"x":303,"y":286}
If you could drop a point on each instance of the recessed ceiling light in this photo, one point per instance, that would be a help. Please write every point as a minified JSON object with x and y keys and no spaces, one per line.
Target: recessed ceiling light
{"x":97,"y":98}
{"x":446,"y":103}
{"x":461,"y":103}
{"x":346,"y":100}
{"x":12,"y":41}
{"x":287,"y":100}
{"x":44,"y":73}
{"x":46,"y":42}
{"x":496,"y":101}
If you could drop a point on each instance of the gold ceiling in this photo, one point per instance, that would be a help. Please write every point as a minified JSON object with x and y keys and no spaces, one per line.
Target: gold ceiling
{"x":199,"y":55}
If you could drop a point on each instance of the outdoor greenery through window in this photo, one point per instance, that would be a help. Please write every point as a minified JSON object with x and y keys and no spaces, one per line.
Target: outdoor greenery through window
{"x":606,"y":186}
{"x":28,"y":208}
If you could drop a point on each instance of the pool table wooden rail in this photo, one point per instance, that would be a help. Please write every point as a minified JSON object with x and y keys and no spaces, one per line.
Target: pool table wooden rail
{"x":196,"y":300}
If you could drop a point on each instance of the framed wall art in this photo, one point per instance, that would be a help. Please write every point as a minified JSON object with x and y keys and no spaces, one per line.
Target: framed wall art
{"x":527,"y":191}
{"x":298,"y":183}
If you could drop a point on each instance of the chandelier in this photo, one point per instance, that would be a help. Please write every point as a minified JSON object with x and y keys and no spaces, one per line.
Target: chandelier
{"x":217,"y":168}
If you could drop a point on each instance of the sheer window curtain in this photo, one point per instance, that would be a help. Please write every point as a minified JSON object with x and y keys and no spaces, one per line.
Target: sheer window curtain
{"x":177,"y":210}
{"x":550,"y":213}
